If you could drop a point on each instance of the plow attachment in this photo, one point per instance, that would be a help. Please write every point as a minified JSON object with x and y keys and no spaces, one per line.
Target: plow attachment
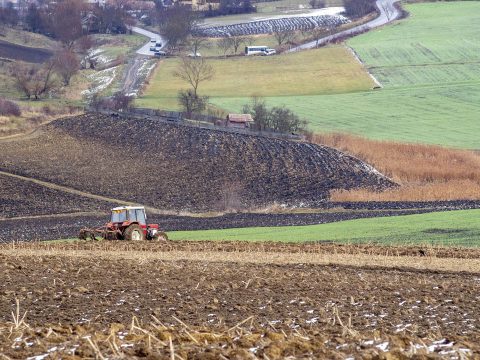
{"x":102,"y":233}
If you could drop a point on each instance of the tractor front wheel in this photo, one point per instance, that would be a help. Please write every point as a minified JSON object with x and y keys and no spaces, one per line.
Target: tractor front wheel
{"x":134,"y":233}
{"x":160,"y":236}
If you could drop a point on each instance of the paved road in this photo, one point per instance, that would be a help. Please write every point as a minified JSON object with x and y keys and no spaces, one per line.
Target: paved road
{"x":388,"y":13}
{"x":145,"y":49}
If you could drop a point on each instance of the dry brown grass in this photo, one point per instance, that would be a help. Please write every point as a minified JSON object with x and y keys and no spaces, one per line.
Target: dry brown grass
{"x":426,"y":172}
{"x":32,"y":117}
{"x":360,"y":260}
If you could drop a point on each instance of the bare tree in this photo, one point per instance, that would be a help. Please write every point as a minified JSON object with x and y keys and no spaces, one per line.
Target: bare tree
{"x":237,"y":41}
{"x":191,"y":103}
{"x":83,"y":46}
{"x":230,"y":196}
{"x":316,"y":33}
{"x":283,"y":36}
{"x":34,"y":80}
{"x":249,"y":40}
{"x":195,"y":43}
{"x":176,"y":24}
{"x":224,"y":44}
{"x":194,"y":71}
{"x":66,"y":64}
{"x":66,"y":21}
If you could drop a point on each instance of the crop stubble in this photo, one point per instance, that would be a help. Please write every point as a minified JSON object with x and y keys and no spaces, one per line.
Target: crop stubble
{"x":322,"y":310}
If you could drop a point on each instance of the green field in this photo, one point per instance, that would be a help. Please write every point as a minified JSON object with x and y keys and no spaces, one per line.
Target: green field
{"x":439,"y":43}
{"x":305,"y":73}
{"x":447,"y":115}
{"x":459,"y":228}
{"x":429,"y":65}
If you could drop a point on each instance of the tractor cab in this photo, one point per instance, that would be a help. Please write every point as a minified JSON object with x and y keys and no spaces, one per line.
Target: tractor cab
{"x":129,"y":214}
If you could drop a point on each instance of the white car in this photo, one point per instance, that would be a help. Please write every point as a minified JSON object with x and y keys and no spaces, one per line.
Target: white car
{"x":153,"y":40}
{"x":269,"y":52}
{"x":194,"y":55}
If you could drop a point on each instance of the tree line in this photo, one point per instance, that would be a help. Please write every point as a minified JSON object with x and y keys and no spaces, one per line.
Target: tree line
{"x":71,"y":22}
{"x":68,"y":20}
{"x":277,"y":119}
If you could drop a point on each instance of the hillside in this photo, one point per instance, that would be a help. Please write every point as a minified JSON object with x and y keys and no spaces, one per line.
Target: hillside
{"x":170,"y":166}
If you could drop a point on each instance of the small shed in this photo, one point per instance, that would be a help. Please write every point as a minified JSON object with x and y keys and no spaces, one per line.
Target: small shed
{"x":239,"y":120}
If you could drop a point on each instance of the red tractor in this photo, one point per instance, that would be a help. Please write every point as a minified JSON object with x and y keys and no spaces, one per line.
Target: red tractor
{"x":126,"y":223}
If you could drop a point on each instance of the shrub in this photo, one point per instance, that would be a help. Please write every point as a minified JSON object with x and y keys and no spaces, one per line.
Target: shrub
{"x":8,"y":107}
{"x":192,"y":103}
{"x":118,"y":102}
{"x":278,"y":119}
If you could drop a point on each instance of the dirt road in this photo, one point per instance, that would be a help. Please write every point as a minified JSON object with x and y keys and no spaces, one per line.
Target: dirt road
{"x":138,"y":68}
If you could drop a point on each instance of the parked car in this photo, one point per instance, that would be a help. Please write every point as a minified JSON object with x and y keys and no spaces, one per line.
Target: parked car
{"x":158,"y":44}
{"x":195,"y":55}
{"x":269,"y":52}
{"x":153,"y":40}
{"x":153,"y":48}
{"x":160,"y":53}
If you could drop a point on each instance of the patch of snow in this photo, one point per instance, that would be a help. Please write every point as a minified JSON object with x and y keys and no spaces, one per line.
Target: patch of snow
{"x":101,"y":80}
{"x":38,"y":357}
{"x":383,"y":346}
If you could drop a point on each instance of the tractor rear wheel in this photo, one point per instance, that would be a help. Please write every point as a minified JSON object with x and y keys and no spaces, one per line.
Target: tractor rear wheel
{"x":134,"y":233}
{"x":160,"y":236}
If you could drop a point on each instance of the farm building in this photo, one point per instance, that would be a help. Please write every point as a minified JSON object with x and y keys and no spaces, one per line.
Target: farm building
{"x":239,"y":120}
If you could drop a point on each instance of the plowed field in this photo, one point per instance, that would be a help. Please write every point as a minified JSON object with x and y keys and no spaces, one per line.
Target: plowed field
{"x":20,"y":198}
{"x":23,"y":53}
{"x":29,"y":227}
{"x":92,"y":301}
{"x":175,"y":167}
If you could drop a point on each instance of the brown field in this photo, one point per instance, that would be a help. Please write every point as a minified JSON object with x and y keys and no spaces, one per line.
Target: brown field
{"x":24,"y":53}
{"x":147,"y":300}
{"x":189,"y":169}
{"x":426,"y":172}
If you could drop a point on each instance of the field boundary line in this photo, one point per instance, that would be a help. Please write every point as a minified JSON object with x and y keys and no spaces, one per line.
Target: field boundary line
{"x":355,"y":55}
{"x":68,"y":190}
{"x":410,"y":263}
